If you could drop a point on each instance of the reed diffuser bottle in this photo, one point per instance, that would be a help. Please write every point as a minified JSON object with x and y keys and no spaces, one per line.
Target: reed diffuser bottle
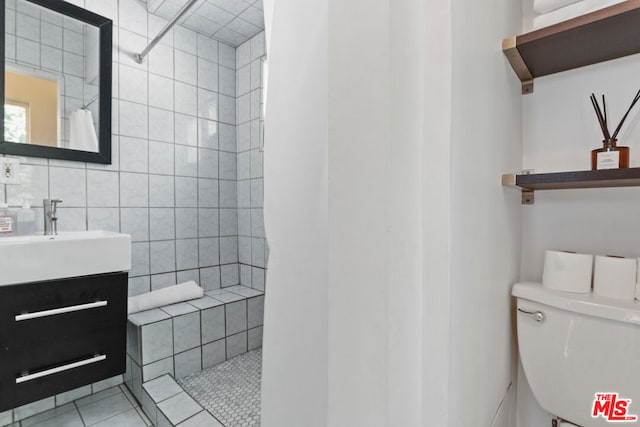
{"x":610,"y":156}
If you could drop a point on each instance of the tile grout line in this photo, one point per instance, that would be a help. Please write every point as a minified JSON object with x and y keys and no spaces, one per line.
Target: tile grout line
{"x":75,"y":403}
{"x":146,"y":73}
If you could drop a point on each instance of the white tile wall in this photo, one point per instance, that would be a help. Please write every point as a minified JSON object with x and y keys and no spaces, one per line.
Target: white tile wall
{"x":172,"y":183}
{"x":252,"y":247}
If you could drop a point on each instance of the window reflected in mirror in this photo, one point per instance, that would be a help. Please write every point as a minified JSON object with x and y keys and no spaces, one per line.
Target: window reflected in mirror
{"x":31,"y":109}
{"x":16,"y":122}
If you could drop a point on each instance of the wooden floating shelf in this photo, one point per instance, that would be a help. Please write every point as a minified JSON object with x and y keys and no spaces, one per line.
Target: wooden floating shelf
{"x":599,"y":36}
{"x":608,"y":178}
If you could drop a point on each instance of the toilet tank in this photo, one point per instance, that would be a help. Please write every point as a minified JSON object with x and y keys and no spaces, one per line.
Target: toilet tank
{"x":573,"y":346}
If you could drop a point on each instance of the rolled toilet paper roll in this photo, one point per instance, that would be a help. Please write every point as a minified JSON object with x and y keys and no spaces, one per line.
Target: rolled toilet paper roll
{"x":615,"y":277}
{"x":567,"y":271}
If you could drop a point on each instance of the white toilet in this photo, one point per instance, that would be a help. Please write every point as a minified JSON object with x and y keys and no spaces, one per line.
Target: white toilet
{"x":573,"y":346}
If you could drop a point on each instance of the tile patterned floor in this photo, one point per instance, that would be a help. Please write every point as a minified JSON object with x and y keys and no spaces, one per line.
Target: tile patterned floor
{"x":114,"y":407}
{"x":230,"y":391}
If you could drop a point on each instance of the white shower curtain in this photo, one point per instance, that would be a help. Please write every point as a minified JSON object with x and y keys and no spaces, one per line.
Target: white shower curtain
{"x":82,"y":135}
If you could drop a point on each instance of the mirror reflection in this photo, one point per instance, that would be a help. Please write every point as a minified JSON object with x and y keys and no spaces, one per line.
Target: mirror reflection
{"x":51,"y":78}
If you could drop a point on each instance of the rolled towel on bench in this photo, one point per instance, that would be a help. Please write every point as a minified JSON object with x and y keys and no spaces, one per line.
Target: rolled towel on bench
{"x":165,"y":296}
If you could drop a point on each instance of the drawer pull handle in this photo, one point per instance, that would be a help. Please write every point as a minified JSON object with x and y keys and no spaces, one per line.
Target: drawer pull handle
{"x":62,"y":368}
{"x":53,"y":312}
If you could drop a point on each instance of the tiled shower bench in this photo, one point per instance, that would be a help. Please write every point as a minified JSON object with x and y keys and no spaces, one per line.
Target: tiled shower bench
{"x":177,"y":340}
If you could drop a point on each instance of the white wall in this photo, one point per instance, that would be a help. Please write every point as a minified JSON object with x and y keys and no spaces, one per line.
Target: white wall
{"x":485,"y":232}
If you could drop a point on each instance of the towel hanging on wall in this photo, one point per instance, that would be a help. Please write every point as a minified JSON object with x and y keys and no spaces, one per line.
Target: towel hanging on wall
{"x":82,"y":135}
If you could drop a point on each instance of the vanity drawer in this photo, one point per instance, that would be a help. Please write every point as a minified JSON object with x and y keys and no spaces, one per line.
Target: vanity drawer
{"x":62,"y":334}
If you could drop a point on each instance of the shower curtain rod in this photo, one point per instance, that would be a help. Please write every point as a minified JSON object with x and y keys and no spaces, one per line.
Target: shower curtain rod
{"x":139,"y":57}
{"x":91,"y":101}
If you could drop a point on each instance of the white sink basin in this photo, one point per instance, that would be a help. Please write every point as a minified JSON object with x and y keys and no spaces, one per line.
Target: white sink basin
{"x":34,"y":258}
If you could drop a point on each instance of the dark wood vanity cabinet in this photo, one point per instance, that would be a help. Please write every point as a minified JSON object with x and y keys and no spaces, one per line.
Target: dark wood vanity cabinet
{"x":59,"y":335}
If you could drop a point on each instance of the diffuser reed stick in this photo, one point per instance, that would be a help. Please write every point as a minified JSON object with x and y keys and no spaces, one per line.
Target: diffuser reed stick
{"x":601,"y":119}
{"x":604,"y":108}
{"x":637,"y":97}
{"x":601,"y":114}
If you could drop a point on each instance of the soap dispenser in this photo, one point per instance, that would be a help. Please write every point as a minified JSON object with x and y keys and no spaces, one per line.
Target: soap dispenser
{"x":7,"y":225}
{"x":26,"y":219}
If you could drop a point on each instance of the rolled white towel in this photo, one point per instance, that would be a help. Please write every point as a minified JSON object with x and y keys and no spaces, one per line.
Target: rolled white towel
{"x":82,"y":132}
{"x":165,"y":296}
{"x":545,"y":6}
{"x":572,"y":11}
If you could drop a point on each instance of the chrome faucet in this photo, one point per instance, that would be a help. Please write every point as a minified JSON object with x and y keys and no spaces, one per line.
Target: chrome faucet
{"x":50,"y":218}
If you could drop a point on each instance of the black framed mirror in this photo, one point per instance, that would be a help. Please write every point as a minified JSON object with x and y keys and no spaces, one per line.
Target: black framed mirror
{"x":56,"y":66}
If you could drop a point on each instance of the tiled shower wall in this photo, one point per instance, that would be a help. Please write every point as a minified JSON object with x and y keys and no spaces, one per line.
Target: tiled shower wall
{"x":172,"y":184}
{"x":252,"y":244}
